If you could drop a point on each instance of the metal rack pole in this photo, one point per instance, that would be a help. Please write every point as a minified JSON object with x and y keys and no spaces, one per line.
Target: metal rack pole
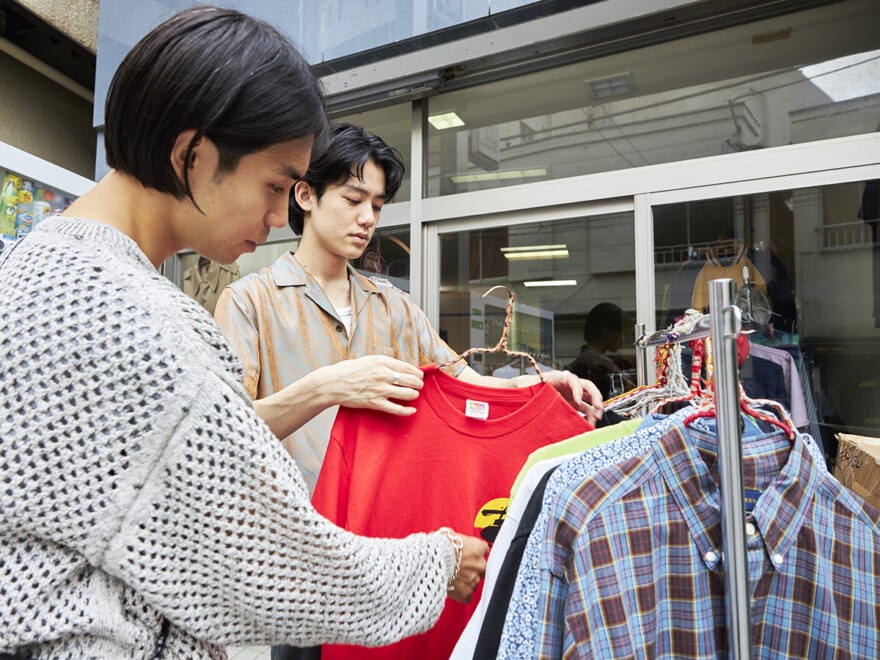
{"x":726,"y":324}
{"x":641,"y":357}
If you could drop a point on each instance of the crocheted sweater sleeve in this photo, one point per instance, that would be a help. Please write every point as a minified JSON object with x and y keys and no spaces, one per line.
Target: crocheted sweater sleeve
{"x":222,"y":539}
{"x":140,"y":485}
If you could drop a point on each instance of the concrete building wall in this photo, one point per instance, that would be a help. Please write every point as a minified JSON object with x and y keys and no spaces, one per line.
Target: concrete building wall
{"x":78,"y":19}
{"x":44,"y":119}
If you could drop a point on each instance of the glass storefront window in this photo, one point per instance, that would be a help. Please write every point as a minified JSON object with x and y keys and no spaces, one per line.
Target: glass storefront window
{"x":394,"y":125}
{"x":574,"y":282}
{"x":387,"y":257}
{"x":813,"y":265}
{"x":805,"y":76}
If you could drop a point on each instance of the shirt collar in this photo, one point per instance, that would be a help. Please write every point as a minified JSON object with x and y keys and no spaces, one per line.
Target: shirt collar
{"x":782,"y":472}
{"x":287,"y":271}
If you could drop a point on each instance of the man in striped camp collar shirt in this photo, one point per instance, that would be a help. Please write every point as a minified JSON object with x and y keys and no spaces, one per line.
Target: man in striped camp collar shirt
{"x":313,"y":334}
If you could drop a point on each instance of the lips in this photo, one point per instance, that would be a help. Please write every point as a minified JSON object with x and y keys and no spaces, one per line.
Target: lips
{"x":258,"y":243}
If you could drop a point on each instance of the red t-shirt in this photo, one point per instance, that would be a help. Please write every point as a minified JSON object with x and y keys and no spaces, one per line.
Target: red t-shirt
{"x":390,"y":476}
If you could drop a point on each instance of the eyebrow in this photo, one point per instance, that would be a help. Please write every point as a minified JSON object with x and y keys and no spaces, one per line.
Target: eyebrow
{"x":290,"y":172}
{"x":359,"y":189}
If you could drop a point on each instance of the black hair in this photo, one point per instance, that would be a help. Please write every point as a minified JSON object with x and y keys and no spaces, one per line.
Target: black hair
{"x":602,"y":320}
{"x":349,"y":149}
{"x":233,"y":78}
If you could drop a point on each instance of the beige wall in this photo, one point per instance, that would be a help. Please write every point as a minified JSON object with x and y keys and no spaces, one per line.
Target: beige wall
{"x":40,"y":116}
{"x":46,"y":120}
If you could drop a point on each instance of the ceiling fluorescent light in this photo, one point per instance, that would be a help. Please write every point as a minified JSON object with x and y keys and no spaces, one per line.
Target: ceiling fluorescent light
{"x":539,"y":254}
{"x":503,"y":175}
{"x":559,"y":251}
{"x":445,"y":120}
{"x":526,"y":248}
{"x":536,"y":283}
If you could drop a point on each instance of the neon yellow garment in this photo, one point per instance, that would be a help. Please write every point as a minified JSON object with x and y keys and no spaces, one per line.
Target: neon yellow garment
{"x":576,"y":444}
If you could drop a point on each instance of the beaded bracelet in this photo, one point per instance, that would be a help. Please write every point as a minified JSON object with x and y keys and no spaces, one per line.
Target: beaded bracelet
{"x":457,"y":545}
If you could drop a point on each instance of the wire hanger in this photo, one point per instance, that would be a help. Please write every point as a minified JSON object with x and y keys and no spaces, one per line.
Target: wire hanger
{"x":747,"y":405}
{"x":692,"y":328}
{"x":692,"y":325}
{"x":671,"y":385}
{"x":501,"y":346}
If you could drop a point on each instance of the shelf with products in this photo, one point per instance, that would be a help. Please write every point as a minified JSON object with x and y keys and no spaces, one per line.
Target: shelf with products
{"x":31,"y":189}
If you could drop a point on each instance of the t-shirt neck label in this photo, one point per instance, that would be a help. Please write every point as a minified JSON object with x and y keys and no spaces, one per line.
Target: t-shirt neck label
{"x":476,"y":409}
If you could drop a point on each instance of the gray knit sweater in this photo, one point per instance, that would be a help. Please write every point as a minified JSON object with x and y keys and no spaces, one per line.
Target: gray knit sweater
{"x":137,"y":484}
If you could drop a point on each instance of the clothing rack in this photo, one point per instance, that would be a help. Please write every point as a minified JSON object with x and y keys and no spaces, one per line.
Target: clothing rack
{"x":723,"y":324}
{"x":726,"y":323}
{"x":641,"y":357}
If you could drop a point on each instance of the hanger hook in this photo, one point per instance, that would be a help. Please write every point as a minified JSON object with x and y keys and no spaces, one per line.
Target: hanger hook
{"x":510,"y":295}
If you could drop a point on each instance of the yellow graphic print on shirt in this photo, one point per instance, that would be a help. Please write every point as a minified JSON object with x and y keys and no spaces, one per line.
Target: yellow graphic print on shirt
{"x":490,"y":517}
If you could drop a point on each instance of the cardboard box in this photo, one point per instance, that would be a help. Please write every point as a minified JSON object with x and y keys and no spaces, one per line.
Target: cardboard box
{"x":858,"y":466}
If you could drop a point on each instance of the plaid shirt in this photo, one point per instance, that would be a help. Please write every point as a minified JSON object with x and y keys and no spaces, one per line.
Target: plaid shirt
{"x":633,"y":567}
{"x":522,"y":622}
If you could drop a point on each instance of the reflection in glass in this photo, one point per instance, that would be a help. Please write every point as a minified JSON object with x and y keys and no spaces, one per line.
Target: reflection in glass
{"x":387,"y":256}
{"x":807,"y":267}
{"x":599,"y":359}
{"x":394,"y":126}
{"x":805,"y":76}
{"x":559,"y":271}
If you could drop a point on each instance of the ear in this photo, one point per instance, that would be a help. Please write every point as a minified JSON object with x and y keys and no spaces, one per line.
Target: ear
{"x":179,"y":149}
{"x":304,"y":195}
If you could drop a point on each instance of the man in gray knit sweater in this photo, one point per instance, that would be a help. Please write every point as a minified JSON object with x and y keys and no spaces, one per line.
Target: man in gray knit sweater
{"x":147,"y":509}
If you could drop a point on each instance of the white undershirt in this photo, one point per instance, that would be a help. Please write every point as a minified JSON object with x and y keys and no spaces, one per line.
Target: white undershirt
{"x":345,"y":317}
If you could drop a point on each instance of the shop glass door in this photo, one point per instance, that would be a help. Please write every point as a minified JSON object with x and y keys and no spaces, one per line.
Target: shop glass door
{"x":807,"y":265}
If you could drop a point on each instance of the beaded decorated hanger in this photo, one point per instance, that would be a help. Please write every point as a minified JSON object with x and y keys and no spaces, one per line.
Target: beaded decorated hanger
{"x":671,"y":387}
{"x":747,"y":405}
{"x":702,"y":392}
{"x":501,"y":346}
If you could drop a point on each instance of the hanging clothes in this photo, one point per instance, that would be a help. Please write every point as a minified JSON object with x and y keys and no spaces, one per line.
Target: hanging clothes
{"x":561,"y":451}
{"x":632,"y":563}
{"x":771,"y":373}
{"x":792,"y":397}
{"x":483,"y":631}
{"x":205,"y":280}
{"x":731,"y":267}
{"x":450,"y":464}
{"x":522,"y":618}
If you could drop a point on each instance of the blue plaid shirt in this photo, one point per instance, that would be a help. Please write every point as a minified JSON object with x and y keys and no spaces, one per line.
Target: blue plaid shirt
{"x":522,"y":621}
{"x":632,"y":562}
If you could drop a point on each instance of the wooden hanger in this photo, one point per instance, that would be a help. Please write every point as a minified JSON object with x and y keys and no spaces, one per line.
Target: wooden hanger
{"x":501,"y":346}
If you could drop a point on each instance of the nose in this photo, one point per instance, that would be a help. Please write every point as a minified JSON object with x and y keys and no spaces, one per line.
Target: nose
{"x":367,"y":216}
{"x":277,"y":219}
{"x":278,"y":215}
